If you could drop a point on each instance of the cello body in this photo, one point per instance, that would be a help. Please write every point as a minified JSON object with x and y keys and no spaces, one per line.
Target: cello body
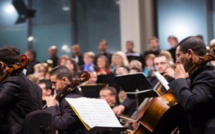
{"x":161,"y":115}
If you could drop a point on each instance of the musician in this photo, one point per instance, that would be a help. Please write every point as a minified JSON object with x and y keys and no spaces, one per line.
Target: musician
{"x":162,"y":65}
{"x":18,"y":95}
{"x":47,"y":90}
{"x":66,"y":122}
{"x":198,"y":98}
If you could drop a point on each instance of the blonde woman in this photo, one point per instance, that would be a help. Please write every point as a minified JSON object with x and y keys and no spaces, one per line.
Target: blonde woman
{"x":119,"y":59}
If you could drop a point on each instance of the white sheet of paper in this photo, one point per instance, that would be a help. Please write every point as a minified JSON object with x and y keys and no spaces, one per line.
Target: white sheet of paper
{"x":94,"y":112}
{"x":163,"y":81}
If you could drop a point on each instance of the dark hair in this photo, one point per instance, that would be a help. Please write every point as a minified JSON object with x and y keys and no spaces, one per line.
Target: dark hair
{"x":32,"y":52}
{"x":173,"y":37}
{"x":106,"y":61}
{"x":9,"y":55}
{"x":76,"y":68}
{"x":200,"y":36}
{"x":61,"y":71}
{"x":111,"y":89}
{"x":48,"y":84}
{"x":194,"y":43}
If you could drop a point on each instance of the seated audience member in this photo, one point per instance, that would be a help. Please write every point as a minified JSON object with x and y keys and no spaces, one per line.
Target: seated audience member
{"x":131,"y":55}
{"x":64,"y":118}
{"x":173,"y":41}
{"x":119,"y":59}
{"x":62,"y":60}
{"x":46,"y":87}
{"x":103,"y":46}
{"x":18,"y":95}
{"x":148,"y":69}
{"x":169,"y":56}
{"x":135,"y":64}
{"x":154,"y":48}
{"x":53,"y":56}
{"x":42,"y":71}
{"x":33,"y":78}
{"x":212,"y":43}
{"x":32,"y":55}
{"x":93,"y":78}
{"x":73,"y":67}
{"x":76,"y":54}
{"x":88,"y":62}
{"x":103,"y":65}
{"x":134,"y":70}
{"x":122,"y":71}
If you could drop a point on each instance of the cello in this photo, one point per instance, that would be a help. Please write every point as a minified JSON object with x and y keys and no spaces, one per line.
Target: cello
{"x":162,"y":114}
{"x":24,"y":61}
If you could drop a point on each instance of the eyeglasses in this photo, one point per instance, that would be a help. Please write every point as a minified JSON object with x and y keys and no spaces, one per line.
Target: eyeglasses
{"x":162,"y":63}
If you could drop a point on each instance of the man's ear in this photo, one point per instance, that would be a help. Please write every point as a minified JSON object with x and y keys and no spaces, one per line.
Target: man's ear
{"x":65,"y":80}
{"x":190,"y":52}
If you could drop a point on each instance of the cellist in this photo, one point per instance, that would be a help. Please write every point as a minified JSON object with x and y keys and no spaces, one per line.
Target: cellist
{"x":198,"y":97}
{"x":18,"y":95}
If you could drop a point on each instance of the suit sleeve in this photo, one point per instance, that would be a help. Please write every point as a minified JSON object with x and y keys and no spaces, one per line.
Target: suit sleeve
{"x":63,"y":120}
{"x":9,"y":91}
{"x":196,"y":96}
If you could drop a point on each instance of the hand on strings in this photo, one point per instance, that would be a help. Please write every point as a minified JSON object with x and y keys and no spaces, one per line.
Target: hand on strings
{"x":169,"y":72}
{"x":180,"y":72}
{"x":51,"y":101}
{"x":118,"y":109}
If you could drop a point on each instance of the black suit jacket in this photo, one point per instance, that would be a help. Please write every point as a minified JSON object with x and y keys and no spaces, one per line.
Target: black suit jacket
{"x":80,"y":60}
{"x":18,"y":97}
{"x":30,"y":67}
{"x":198,"y":98}
{"x":66,"y":122}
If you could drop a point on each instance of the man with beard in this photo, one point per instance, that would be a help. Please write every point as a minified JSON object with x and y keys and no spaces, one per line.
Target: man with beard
{"x":198,"y":97}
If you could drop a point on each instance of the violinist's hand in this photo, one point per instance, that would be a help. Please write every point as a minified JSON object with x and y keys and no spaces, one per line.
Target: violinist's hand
{"x":180,"y":72}
{"x":118,"y":109}
{"x":51,"y":101}
{"x":169,"y":72}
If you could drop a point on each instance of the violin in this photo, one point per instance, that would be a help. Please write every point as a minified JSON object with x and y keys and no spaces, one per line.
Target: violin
{"x":162,"y":114}
{"x":24,"y":61}
{"x":84,"y":76}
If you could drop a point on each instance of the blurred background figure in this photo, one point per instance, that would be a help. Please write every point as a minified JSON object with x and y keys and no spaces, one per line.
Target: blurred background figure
{"x":103,"y":65}
{"x":119,"y":59}
{"x":53,"y":56}
{"x":93,"y":78}
{"x":173,"y":42}
{"x":103,"y":46}
{"x":62,"y":60}
{"x":76,"y":54}
{"x":135,"y":64}
{"x":88,"y":62}
{"x":131,"y":54}
{"x":73,"y":67}
{"x":149,"y":67}
{"x":154,"y":48}
{"x":42,"y":71}
{"x":134,"y":70}
{"x":32,"y":55}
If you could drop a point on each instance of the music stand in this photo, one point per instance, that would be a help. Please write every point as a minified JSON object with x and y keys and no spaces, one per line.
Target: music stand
{"x":91,"y":91}
{"x":136,"y":86}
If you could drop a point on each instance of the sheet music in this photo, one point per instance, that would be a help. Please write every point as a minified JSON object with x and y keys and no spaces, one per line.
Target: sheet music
{"x":94,"y":112}
{"x":163,"y":81}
